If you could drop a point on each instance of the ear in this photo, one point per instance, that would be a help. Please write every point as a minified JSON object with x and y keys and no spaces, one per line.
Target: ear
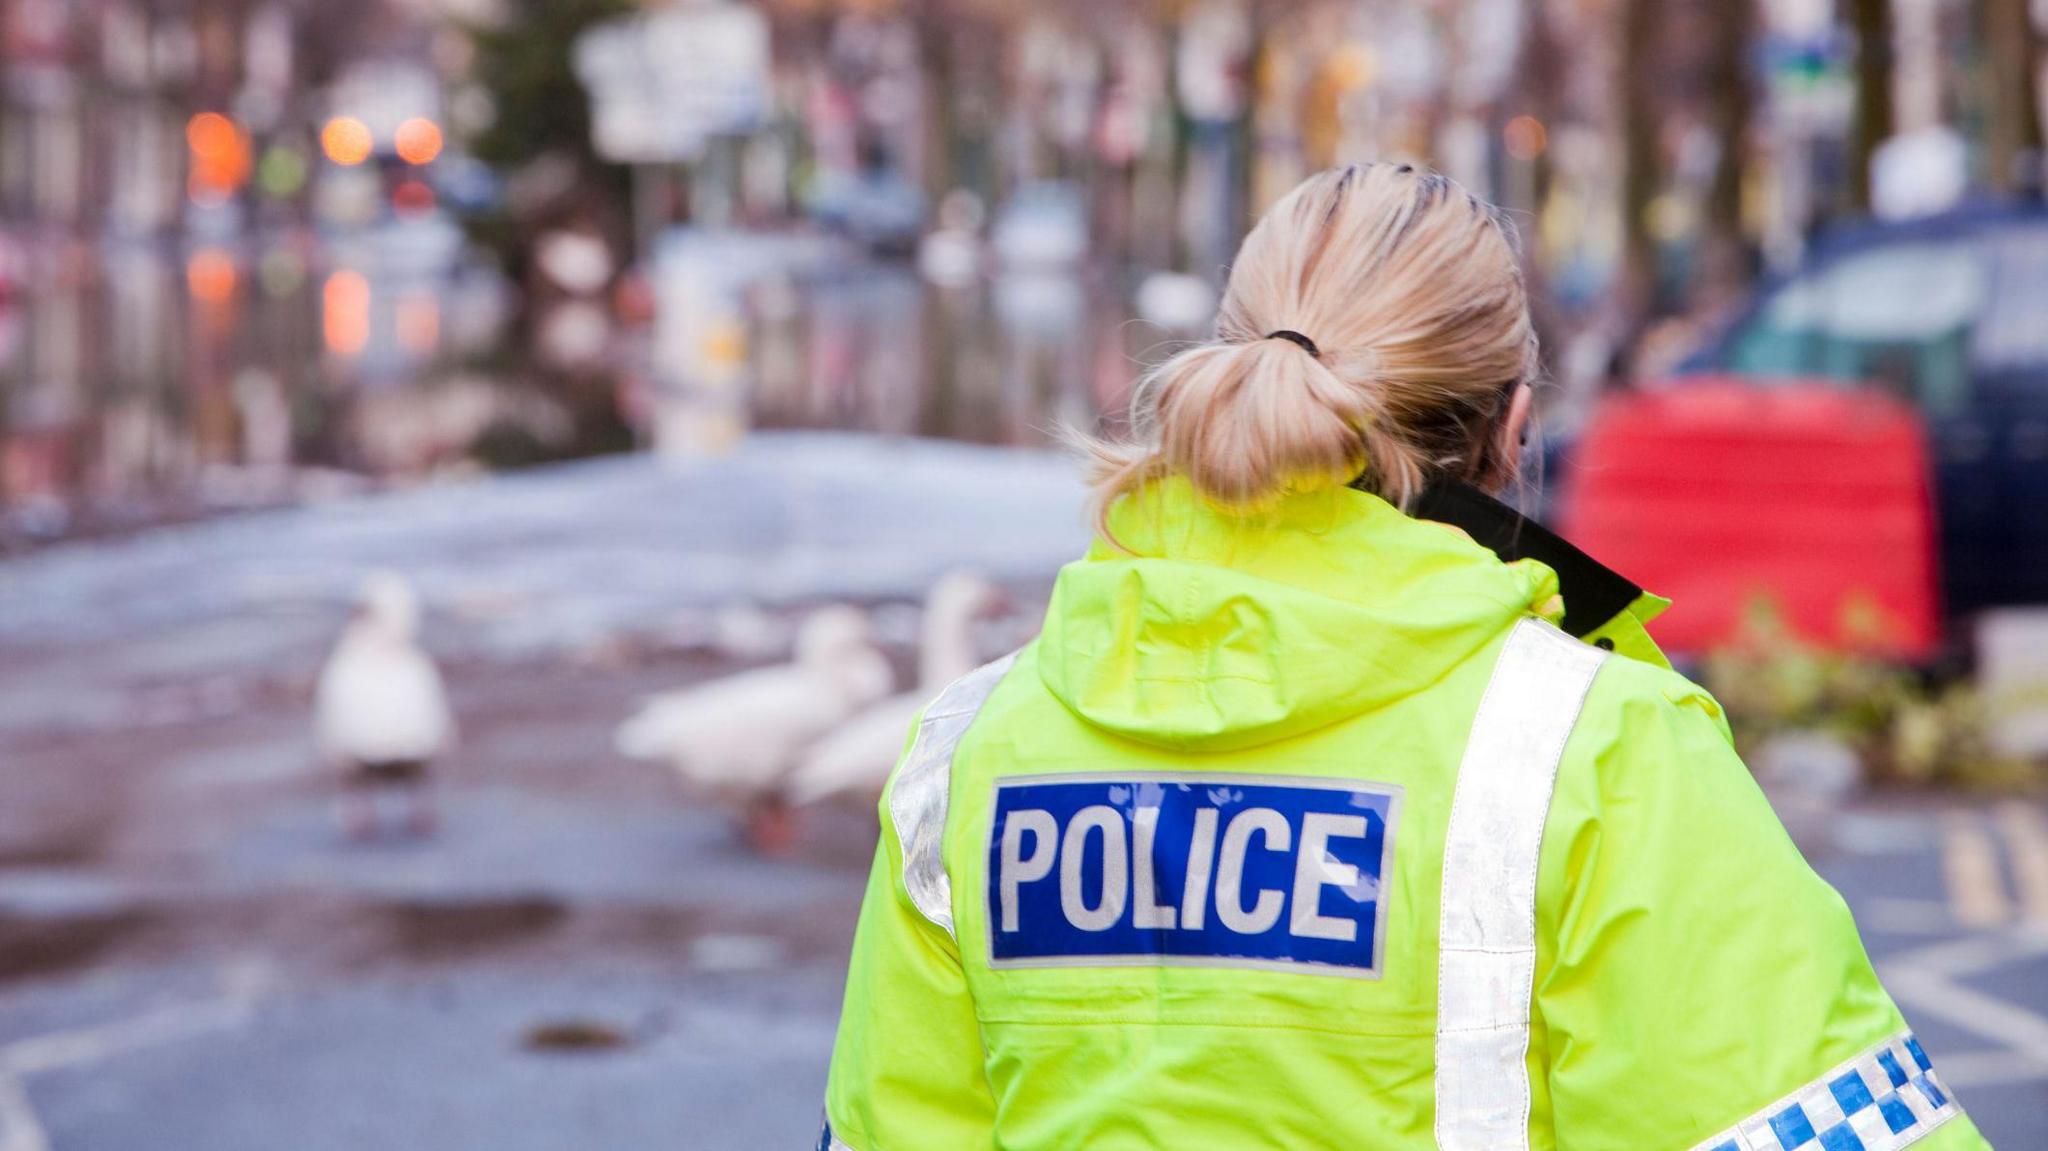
{"x":1514,"y":433}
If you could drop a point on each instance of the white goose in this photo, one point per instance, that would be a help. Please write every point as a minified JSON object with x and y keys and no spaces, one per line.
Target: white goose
{"x":380,"y":712}
{"x":739,"y":736}
{"x":858,"y":756}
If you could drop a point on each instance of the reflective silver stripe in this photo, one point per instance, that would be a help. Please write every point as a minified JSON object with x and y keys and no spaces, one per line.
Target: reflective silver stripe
{"x":1487,"y":935}
{"x":1885,"y":1099}
{"x":918,"y":798}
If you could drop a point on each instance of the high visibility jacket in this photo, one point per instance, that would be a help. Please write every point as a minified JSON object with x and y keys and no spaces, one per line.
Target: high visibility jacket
{"x":1310,"y":831}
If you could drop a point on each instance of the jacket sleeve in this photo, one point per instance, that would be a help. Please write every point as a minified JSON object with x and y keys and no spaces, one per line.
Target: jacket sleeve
{"x":1698,"y":986}
{"x":907,"y":1066}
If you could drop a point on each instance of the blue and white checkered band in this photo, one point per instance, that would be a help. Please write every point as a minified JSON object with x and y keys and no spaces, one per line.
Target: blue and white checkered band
{"x":1882,"y":1100}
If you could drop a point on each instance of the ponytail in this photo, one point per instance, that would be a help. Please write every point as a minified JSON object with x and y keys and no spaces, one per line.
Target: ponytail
{"x":1371,"y":318}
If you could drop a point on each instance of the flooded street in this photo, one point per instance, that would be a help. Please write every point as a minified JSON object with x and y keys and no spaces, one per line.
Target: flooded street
{"x":473,"y":473}
{"x":301,"y":377}
{"x":585,"y":954}
{"x":584,"y":951}
{"x":581,"y":954}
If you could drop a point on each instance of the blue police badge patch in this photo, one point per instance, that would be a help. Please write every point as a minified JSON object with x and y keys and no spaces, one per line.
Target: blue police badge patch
{"x":1193,"y":868}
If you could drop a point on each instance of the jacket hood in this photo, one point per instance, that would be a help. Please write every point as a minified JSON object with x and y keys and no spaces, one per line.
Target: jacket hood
{"x":1217,"y":631}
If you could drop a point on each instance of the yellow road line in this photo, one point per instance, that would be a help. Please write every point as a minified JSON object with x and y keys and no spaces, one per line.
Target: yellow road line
{"x":2026,"y":838}
{"x":1969,"y":864}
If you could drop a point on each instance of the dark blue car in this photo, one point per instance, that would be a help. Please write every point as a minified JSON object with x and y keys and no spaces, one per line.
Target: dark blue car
{"x":1950,"y":312}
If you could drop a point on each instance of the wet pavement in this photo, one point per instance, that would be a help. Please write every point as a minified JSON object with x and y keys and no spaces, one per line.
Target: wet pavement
{"x":563,"y":556}
{"x":703,"y":1060}
{"x":207,"y":962}
{"x":583,"y":956}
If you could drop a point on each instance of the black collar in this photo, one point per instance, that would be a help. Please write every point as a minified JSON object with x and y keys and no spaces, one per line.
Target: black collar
{"x":1593,"y":593}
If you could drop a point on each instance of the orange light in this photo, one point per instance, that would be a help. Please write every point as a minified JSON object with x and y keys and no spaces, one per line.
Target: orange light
{"x":345,"y":312}
{"x":211,"y":134}
{"x":346,"y":140}
{"x":210,"y":275}
{"x":220,"y":155}
{"x":418,"y":141}
{"x":1525,"y":137}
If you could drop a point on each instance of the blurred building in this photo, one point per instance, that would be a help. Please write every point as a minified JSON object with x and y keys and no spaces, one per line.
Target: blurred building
{"x":184,"y":223}
{"x":242,"y":238}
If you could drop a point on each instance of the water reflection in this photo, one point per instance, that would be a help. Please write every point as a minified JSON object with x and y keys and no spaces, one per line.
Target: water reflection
{"x":146,"y":379}
{"x":144,"y":383}
{"x":776,"y":332}
{"x":877,"y":348}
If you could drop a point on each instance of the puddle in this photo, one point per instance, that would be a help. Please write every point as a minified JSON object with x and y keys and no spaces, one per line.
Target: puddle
{"x":576,"y":1035}
{"x":435,"y":930}
{"x":33,"y":946}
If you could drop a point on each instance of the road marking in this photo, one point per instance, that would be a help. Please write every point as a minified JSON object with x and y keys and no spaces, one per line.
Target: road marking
{"x":1969,"y":864}
{"x":1898,"y":916}
{"x":1888,"y":833}
{"x":20,"y":1130}
{"x":1963,"y":956}
{"x":1985,"y":1016}
{"x":1926,"y":978}
{"x":98,"y":1043}
{"x":2026,"y":837}
{"x":1968,"y":1069}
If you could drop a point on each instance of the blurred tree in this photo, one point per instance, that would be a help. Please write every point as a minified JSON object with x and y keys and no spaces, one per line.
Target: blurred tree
{"x":936,"y":57}
{"x":2013,"y":45}
{"x":1638,"y":112}
{"x":524,"y":62}
{"x":1539,"y":95}
{"x":1542,"y":79}
{"x":540,"y":140}
{"x":1726,"y":257}
{"x":541,"y":126}
{"x":1870,"y":22}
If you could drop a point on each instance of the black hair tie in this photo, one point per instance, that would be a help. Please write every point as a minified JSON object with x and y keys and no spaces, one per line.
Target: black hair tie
{"x":1306,"y":344}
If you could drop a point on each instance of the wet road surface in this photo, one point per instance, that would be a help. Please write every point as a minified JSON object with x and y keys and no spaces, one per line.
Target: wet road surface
{"x":192,"y":956}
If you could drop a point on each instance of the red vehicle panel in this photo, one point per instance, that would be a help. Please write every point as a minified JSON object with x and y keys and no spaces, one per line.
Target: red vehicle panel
{"x":1716,"y":493}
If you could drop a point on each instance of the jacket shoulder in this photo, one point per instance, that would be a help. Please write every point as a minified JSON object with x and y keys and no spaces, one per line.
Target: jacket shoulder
{"x":1632,"y":697}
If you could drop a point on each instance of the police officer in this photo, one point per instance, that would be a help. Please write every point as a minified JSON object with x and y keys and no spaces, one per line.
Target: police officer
{"x":1334,"y":808}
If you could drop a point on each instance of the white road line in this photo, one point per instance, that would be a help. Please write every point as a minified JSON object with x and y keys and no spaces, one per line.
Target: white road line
{"x":2026,"y":838}
{"x":1966,"y":1069}
{"x":1969,"y":954}
{"x":1898,"y":916}
{"x":20,"y":1130}
{"x":1925,"y":978}
{"x":1986,"y":1016}
{"x":94,"y":1044}
{"x":1969,"y":864}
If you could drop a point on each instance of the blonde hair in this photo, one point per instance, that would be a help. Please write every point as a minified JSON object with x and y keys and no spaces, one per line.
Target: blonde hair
{"x":1407,"y":330}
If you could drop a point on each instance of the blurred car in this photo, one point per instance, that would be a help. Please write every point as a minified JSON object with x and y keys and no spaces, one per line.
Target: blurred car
{"x":1949,"y":313}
